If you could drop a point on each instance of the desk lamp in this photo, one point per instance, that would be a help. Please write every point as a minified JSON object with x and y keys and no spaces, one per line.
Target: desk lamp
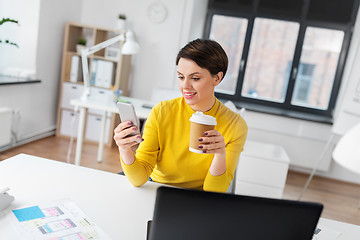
{"x":347,"y":151}
{"x":130,"y":47}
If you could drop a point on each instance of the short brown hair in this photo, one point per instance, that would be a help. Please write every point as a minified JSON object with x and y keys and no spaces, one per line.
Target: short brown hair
{"x":207,"y":54}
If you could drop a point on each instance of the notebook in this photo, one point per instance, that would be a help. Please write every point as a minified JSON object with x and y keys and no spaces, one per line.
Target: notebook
{"x":192,"y":214}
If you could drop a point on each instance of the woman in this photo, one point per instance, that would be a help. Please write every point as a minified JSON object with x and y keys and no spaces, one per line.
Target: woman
{"x":163,"y":154}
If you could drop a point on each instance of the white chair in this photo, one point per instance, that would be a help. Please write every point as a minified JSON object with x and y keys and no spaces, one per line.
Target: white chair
{"x":241,"y":111}
{"x":232,"y":107}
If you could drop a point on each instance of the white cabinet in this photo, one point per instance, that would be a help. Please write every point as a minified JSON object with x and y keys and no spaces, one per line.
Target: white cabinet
{"x":6,"y":115}
{"x":258,"y":190}
{"x":93,"y":128}
{"x":69,"y":123}
{"x":100,"y":93}
{"x":262,"y":170}
{"x":69,"y":120}
{"x":70,"y":91}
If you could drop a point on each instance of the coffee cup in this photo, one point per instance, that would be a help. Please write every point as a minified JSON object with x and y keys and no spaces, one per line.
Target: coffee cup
{"x":199,"y":123}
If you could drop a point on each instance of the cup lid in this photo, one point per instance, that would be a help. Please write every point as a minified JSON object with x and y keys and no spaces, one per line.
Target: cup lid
{"x":200,"y":117}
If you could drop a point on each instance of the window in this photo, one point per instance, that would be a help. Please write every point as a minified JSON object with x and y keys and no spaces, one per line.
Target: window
{"x":284,"y":56}
{"x":319,"y":57}
{"x":271,"y":48}
{"x":223,"y":29}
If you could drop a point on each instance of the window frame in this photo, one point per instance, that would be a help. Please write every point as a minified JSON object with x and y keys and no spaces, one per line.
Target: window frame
{"x":285,"y":108}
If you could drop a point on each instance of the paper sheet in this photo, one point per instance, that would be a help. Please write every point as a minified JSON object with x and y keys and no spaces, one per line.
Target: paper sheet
{"x":325,"y":233}
{"x":61,"y":220}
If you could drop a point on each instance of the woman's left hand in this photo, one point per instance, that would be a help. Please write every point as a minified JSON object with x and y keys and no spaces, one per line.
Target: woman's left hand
{"x":212,"y":142}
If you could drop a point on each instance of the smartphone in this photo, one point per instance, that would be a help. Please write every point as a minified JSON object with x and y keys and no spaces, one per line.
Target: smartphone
{"x":127,"y":113}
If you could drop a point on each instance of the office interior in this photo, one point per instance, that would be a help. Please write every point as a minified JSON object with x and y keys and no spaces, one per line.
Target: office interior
{"x":40,"y":36}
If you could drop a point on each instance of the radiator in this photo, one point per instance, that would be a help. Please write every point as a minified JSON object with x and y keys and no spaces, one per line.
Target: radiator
{"x":5,"y":126}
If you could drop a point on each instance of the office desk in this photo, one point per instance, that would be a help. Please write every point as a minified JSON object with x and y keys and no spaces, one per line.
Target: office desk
{"x":105,"y":105}
{"x":108,"y":199}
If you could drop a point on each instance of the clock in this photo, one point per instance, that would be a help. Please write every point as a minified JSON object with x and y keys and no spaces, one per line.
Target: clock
{"x":157,"y":12}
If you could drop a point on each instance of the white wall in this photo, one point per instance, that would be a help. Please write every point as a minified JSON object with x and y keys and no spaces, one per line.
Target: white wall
{"x":344,"y":104}
{"x":22,"y":34}
{"x":302,"y":140}
{"x":38,"y":102}
{"x":154,"y":66}
{"x":347,"y":112}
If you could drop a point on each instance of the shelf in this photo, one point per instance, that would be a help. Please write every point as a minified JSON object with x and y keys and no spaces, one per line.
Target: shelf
{"x":6,"y":80}
{"x":111,"y":75}
{"x":76,"y":32}
{"x":104,"y":59}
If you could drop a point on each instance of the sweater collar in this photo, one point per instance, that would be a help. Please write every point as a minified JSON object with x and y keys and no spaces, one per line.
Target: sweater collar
{"x":211,"y":112}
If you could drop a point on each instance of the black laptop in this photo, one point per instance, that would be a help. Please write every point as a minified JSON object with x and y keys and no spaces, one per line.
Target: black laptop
{"x":191,"y":214}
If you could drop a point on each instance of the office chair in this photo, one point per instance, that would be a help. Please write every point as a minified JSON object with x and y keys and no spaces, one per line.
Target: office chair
{"x":241,"y":111}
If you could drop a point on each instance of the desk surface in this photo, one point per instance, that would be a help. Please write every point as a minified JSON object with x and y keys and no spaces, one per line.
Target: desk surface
{"x":105,"y":104}
{"x":108,"y":104}
{"x":117,"y":207}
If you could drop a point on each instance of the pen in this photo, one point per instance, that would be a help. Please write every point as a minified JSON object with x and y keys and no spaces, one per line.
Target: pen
{"x":4,"y":190}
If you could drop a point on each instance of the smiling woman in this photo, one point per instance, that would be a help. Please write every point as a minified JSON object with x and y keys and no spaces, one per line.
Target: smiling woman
{"x":201,"y":66}
{"x":163,"y":155}
{"x":197,"y":85}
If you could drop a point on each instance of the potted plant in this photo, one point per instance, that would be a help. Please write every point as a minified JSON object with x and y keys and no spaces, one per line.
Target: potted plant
{"x":81,"y":44}
{"x":6,"y":41}
{"x":121,"y":22}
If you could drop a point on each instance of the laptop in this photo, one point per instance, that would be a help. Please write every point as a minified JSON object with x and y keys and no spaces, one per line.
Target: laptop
{"x":192,"y":214}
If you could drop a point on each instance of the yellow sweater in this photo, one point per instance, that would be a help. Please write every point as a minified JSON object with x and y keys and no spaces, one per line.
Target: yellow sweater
{"x":164,"y":154}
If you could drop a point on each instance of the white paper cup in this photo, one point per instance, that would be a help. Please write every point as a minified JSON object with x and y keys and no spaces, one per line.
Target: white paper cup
{"x":199,"y":123}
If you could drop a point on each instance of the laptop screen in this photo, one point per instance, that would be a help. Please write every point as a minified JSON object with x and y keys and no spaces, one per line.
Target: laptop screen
{"x":192,"y":214}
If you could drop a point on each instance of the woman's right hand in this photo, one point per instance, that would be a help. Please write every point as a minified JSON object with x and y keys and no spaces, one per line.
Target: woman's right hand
{"x":122,"y":140}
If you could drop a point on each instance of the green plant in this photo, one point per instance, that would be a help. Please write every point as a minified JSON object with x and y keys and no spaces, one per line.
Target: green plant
{"x":122,"y":16}
{"x":4,"y":20}
{"x":81,"y":41}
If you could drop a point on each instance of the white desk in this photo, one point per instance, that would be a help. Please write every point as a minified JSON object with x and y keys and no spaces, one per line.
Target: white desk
{"x":106,"y":105}
{"x":108,"y":199}
{"x":117,"y":207}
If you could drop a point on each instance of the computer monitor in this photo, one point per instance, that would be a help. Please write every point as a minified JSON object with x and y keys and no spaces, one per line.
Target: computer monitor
{"x":192,"y":214}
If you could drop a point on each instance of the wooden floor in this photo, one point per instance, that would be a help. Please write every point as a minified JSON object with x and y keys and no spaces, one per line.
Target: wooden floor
{"x":340,"y":199}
